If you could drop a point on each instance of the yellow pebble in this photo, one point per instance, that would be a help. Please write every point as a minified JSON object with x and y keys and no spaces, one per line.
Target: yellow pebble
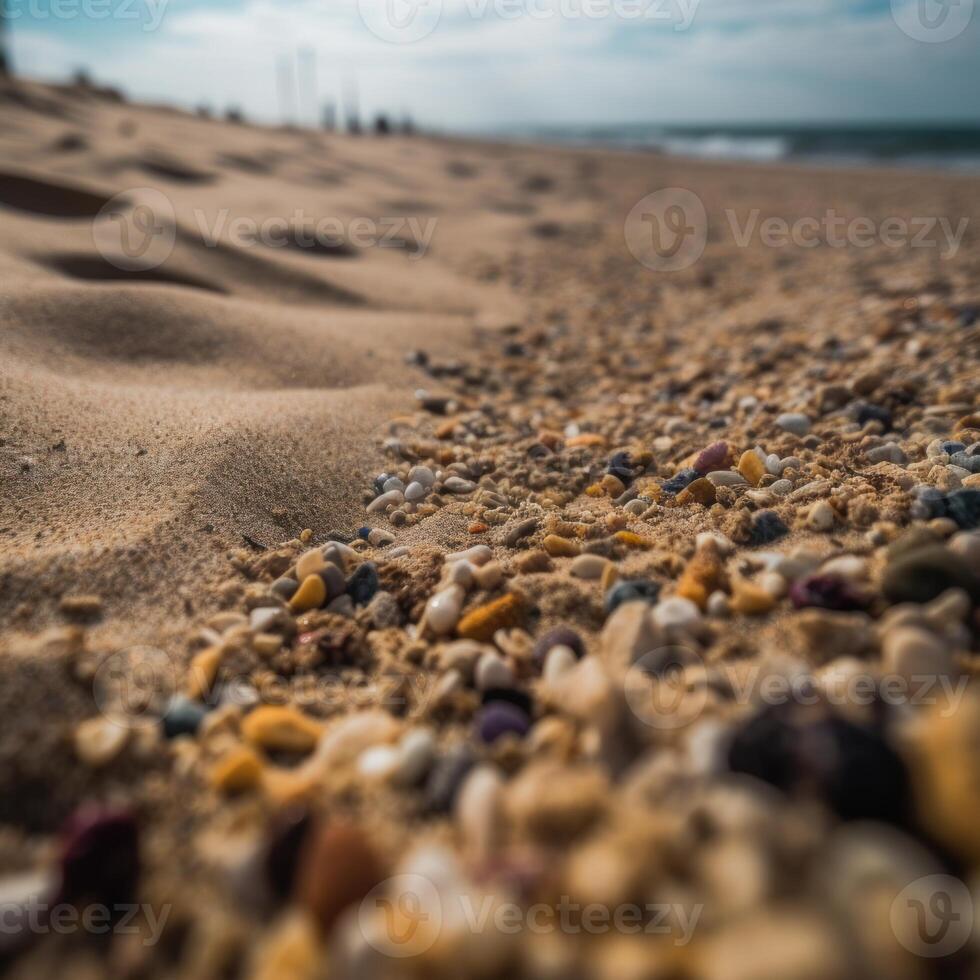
{"x":632,"y":540}
{"x":239,"y":771}
{"x":586,"y":439}
{"x":280,"y":729}
{"x":699,"y":492}
{"x":750,"y":600}
{"x":595,"y":490}
{"x":310,"y":563}
{"x":751,"y":467}
{"x":613,"y":485}
{"x":610,"y":575}
{"x":482,"y":623}
{"x":310,"y":595}
{"x":203,"y":673}
{"x":305,"y":535}
{"x":266,"y":644}
{"x":560,"y":547}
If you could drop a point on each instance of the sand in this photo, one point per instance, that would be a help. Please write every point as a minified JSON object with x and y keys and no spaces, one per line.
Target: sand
{"x":159,"y":432}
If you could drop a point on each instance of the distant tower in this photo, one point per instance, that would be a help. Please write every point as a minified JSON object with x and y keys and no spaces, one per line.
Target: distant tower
{"x":307,"y":81}
{"x":286,"y":88}
{"x":353,"y":108}
{"x":329,"y":119}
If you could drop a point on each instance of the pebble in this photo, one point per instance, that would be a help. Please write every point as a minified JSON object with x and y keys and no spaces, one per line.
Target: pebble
{"x":825,"y":591}
{"x":238,"y":771}
{"x":443,"y":610}
{"x":752,"y":468}
{"x":821,"y":517}
{"x":963,"y":506}
{"x":284,"y":587}
{"x":727,"y":478}
{"x":630,"y":591}
{"x":889,"y":453}
{"x":477,"y":555}
{"x":499,"y":718}
{"x":559,"y":547}
{"x":558,"y":662}
{"x":967,"y":546}
{"x":675,"y":484}
{"x":422,"y":475}
{"x":458,"y":485}
{"x":416,"y":754}
{"x":751,"y":600}
{"x":415,"y":492}
{"x":280,"y":728}
{"x":925,"y":573}
{"x":767,"y":526}
{"x":183,"y":717}
{"x":99,"y":856}
{"x":478,"y":812}
{"x":483,"y":622}
{"x":492,"y":672}
{"x":715,"y":457}
{"x":794,"y":422}
{"x":781,"y":487}
{"x":562,"y":636}
{"x":363,"y":584}
{"x":98,"y":741}
{"x":392,"y":483}
{"x":338,"y":869}
{"x":911,"y":652}
{"x":520,"y":531}
{"x":701,"y":491}
{"x":446,"y":778}
{"x":676,"y":611}
{"x":310,"y":595}
{"x":390,"y":499}
{"x":589,"y":567}
{"x":490,"y":576}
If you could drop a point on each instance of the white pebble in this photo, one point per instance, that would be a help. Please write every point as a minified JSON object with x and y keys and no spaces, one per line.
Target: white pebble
{"x":847,"y":566}
{"x":443,"y":609}
{"x":378,"y":762}
{"x":718,"y":605}
{"x":423,"y":475}
{"x":889,"y":453}
{"x":795,"y":422}
{"x":392,"y":483}
{"x":588,"y":567}
{"x":478,"y":555}
{"x":676,"y":611}
{"x":414,"y":492}
{"x":456,"y":484}
{"x":727,"y":478}
{"x":821,"y":516}
{"x":390,"y":499}
{"x":559,"y":661}
{"x":774,"y":584}
{"x":492,"y":671}
{"x":460,"y":573}
{"x":478,"y":811}
{"x":723,"y":543}
{"x":781,"y":487}
{"x":416,"y":753}
{"x":261,"y":619}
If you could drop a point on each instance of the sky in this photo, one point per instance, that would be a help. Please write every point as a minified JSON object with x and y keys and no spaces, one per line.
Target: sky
{"x":474,"y":65}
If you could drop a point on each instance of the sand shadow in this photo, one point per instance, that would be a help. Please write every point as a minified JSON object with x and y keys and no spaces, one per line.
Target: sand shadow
{"x":52,"y":200}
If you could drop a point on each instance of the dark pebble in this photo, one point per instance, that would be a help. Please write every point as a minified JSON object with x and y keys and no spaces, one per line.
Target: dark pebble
{"x":628,"y":592}
{"x":500,"y":718}
{"x":561,"y":636}
{"x":287,"y":837}
{"x":446,"y":777}
{"x":866,"y":413}
{"x":951,"y":448}
{"x":680,"y":481}
{"x":711,"y":459}
{"x":284,"y":587}
{"x":621,"y":467}
{"x":363,"y":532}
{"x":966,"y":461}
{"x":99,"y":856}
{"x":379,"y":483}
{"x":183,"y":717}
{"x":767,"y":526}
{"x":963,"y":506}
{"x":925,"y":573}
{"x":363,"y":584}
{"x":929,"y":503}
{"x":808,"y":753}
{"x":333,"y":579}
{"x":827,"y":592}
{"x":510,"y":695}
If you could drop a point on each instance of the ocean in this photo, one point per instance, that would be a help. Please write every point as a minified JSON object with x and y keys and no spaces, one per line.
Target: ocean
{"x":947,"y":147}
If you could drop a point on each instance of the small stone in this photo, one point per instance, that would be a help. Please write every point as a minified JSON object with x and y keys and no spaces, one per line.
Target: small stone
{"x":492,"y":672}
{"x":704,"y":574}
{"x":477,"y":527}
{"x":392,"y":483}
{"x":751,"y":467}
{"x":559,"y":661}
{"x":285,"y":588}
{"x":458,"y":485}
{"x":823,"y":591}
{"x":963,"y":507}
{"x":499,"y":718}
{"x":391,"y":499}
{"x":701,"y":491}
{"x":310,"y":595}
{"x":183,"y":717}
{"x":446,"y":777}
{"x":98,"y":741}
{"x":99,"y":856}
{"x":889,"y":453}
{"x":489,"y":576}
{"x":925,"y":573}
{"x":482,"y":623}
{"x":310,"y":564}
{"x":589,"y":567}
{"x":716,"y":457}
{"x":821,"y":517}
{"x":416,"y":753}
{"x":967,"y":546}
{"x":443,"y":610}
{"x":767,"y":526}
{"x":676,"y":611}
{"x":795,"y":422}
{"x":363,"y":584}
{"x":479,"y":554}
{"x":559,"y":547}
{"x":415,"y":492}
{"x":630,"y":591}
{"x":334,"y":581}
{"x":751,"y":600}
{"x":675,"y":484}
{"x":478,"y":811}
{"x":718,"y":605}
{"x":280,"y":728}
{"x":911,"y":652}
{"x":238,"y":771}
{"x":629,"y":633}
{"x":422,"y":475}
{"x":520,"y":531}
{"x":384,"y":611}
{"x":560,"y":636}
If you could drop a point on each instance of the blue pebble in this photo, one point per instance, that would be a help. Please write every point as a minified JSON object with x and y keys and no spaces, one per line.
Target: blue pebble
{"x":379,"y":482}
{"x":629,"y":591}
{"x":768,"y":526}
{"x":966,"y":461}
{"x":964,"y":507}
{"x":952,"y":447}
{"x":499,"y":718}
{"x":930,"y":503}
{"x":183,"y":717}
{"x":873,"y":413}
{"x":363,"y":532}
{"x":363,"y":584}
{"x":683,"y":479}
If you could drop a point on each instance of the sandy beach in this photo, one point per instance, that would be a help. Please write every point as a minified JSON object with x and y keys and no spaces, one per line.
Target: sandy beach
{"x":260,"y":465}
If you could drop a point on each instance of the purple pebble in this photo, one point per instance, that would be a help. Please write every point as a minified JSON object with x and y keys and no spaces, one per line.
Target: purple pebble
{"x":501,"y":718}
{"x":100,"y":856}
{"x":561,"y":636}
{"x":827,"y":592}
{"x":713,"y":458}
